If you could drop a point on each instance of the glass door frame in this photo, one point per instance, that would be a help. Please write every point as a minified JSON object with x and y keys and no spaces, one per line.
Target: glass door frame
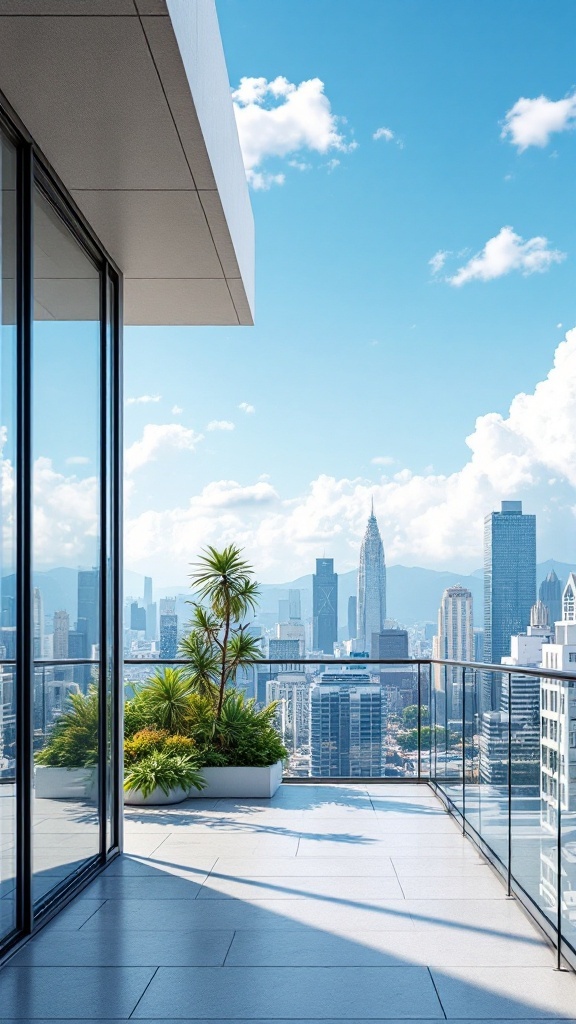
{"x":34,"y":172}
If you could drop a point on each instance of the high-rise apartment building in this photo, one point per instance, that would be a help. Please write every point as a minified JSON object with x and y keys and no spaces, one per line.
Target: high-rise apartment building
{"x":89,"y":606}
{"x":147,"y":591}
{"x":168,"y":628}
{"x":293,"y":630}
{"x":325,"y":606}
{"x":558,"y":712}
{"x":61,"y":631}
{"x":284,"y":650}
{"x":346,"y":726}
{"x":292,"y":691}
{"x":371,"y":586}
{"x":454,"y":641}
{"x":509,"y":587}
{"x":550,"y":593}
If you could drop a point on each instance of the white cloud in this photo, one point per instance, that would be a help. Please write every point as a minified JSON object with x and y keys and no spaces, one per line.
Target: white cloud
{"x":143,"y":399}
{"x":383,"y":460}
{"x":247,"y":408}
{"x":332,"y":165}
{"x":66,"y":516}
{"x":78,"y":460}
{"x":384,"y":133}
{"x":531,"y":122}
{"x":278,"y":119}
{"x":505,"y":252}
{"x":438,"y":260}
{"x":221,"y":425}
{"x":430,"y":518}
{"x":177,"y":410}
{"x":157,"y":438}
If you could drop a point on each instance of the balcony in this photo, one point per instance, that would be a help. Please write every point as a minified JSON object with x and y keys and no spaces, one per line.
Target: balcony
{"x":339,"y":902}
{"x":444,"y":891}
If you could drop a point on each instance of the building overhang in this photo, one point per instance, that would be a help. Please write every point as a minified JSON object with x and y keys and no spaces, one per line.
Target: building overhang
{"x":129,"y":101}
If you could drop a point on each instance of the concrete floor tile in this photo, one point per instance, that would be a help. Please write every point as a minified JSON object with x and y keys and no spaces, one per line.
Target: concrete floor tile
{"x":72,"y":993}
{"x":200,"y":948}
{"x":292,"y":993}
{"x":248,"y":867}
{"x":506,"y":992}
{"x":219,"y":886}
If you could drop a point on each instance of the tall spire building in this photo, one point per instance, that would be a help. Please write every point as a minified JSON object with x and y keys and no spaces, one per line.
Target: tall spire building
{"x":371,"y":586}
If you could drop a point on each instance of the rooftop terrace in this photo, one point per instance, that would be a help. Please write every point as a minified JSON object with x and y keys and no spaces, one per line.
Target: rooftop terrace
{"x":328,"y":902}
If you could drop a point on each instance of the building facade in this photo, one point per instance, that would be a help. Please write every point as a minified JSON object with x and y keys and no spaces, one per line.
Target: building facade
{"x":454,"y":641}
{"x":123,"y":200}
{"x":558,"y":713}
{"x":371,"y":586}
{"x":346,"y":726}
{"x":509,"y":587}
{"x":324,"y":606}
{"x":550,"y":593}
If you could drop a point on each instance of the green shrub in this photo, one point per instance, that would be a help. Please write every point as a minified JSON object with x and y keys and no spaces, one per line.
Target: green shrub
{"x":74,"y":740}
{"x":143,"y":743}
{"x":163,"y":770}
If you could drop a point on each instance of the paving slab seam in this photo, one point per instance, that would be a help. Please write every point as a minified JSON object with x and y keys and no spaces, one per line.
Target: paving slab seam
{"x":437,"y":993}
{"x":142,"y":994}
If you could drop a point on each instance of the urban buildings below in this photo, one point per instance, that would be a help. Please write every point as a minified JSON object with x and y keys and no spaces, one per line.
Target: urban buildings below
{"x":168,"y":628}
{"x":371,"y":586}
{"x":509,"y":587}
{"x":293,"y":630}
{"x":324,"y":606}
{"x":292,"y":691}
{"x":352,"y":617}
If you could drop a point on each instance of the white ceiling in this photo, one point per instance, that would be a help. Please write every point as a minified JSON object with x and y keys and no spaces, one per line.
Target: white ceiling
{"x":129,"y":101}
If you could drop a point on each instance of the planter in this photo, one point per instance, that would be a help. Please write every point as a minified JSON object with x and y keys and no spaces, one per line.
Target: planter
{"x":157,"y":798}
{"x":240,"y":783}
{"x":65,"y":783}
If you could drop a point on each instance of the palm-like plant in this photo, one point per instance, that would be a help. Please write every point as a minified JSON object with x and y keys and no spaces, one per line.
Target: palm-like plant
{"x":163,"y":770}
{"x":166,"y":699}
{"x":219,"y":644}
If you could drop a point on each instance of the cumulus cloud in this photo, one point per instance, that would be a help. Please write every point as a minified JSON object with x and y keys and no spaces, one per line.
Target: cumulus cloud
{"x":438,"y":260}
{"x":143,"y":399}
{"x":221,"y":425}
{"x":177,"y":410}
{"x":531,"y":122}
{"x":247,"y":408}
{"x":278,"y":119}
{"x":156,"y":439}
{"x":504,"y":253}
{"x":384,"y":133}
{"x":427,"y":518}
{"x":66,"y":516}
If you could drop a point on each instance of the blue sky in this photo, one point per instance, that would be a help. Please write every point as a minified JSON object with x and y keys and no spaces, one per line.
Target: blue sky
{"x":360,"y":352}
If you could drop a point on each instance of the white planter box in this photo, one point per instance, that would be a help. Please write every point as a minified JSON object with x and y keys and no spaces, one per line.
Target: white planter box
{"x":65,"y":783}
{"x":240,"y":783}
{"x":157,"y":798}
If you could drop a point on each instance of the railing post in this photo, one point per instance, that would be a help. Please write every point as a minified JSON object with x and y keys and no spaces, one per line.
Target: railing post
{"x":419,"y":723}
{"x":509,"y":872}
{"x":463,"y":751}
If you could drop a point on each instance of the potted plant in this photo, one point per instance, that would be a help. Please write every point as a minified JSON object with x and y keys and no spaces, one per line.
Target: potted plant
{"x":66,"y":768}
{"x":239,"y":749}
{"x":160,"y":768}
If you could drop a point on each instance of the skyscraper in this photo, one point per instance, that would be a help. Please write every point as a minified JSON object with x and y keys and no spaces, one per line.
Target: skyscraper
{"x":454,"y":641}
{"x":325,"y":606}
{"x":168,"y":636}
{"x":371,"y":586}
{"x":352,"y":617}
{"x":509,"y":587}
{"x":558,"y":711}
{"x":38,"y":624}
{"x":89,"y":607}
{"x":147,"y":591}
{"x":294,"y":605}
{"x":346,"y":726}
{"x":61,"y":631}
{"x":550,"y":594}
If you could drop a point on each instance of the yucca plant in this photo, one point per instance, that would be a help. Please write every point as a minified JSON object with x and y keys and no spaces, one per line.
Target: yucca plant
{"x":165,"y":699}
{"x":163,"y":770}
{"x":74,"y":740}
{"x":218,"y":643}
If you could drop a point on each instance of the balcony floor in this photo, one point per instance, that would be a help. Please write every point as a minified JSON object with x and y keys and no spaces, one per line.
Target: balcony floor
{"x":342,"y":902}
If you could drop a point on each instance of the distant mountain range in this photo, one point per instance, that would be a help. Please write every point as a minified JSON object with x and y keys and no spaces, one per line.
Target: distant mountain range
{"x":413,"y":594}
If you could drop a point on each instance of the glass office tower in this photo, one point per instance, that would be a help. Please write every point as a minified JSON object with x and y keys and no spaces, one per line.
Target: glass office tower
{"x":59,"y":539}
{"x":509,"y":587}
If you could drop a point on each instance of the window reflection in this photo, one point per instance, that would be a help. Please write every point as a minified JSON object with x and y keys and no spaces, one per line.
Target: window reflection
{"x":66,"y":545}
